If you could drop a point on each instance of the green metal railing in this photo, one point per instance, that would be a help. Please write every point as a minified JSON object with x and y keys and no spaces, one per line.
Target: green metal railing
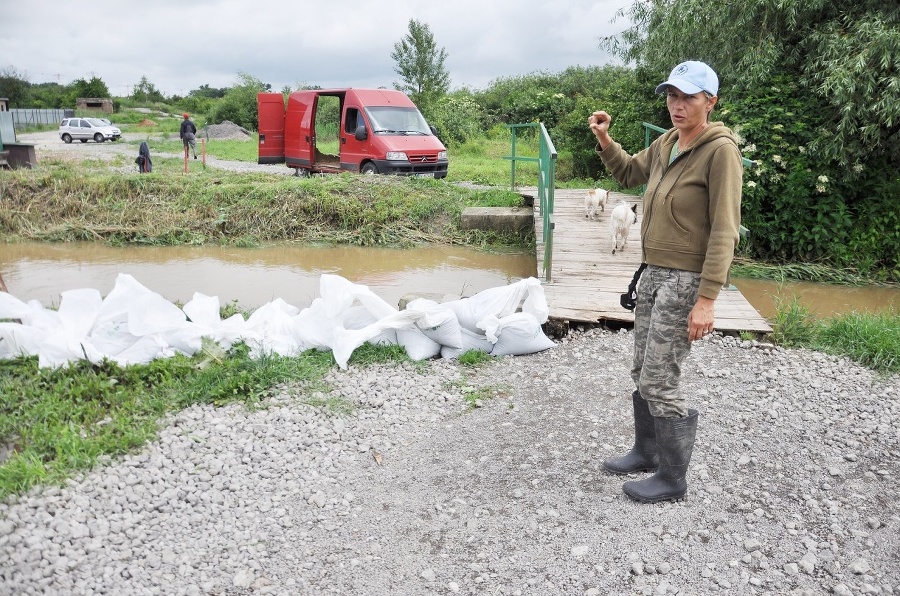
{"x":546,"y":185}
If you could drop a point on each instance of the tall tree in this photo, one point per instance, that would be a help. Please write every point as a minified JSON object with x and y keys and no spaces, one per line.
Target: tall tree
{"x":93,"y":88}
{"x":844,"y":53}
{"x":146,"y":91}
{"x":14,"y":86}
{"x":420,"y":63}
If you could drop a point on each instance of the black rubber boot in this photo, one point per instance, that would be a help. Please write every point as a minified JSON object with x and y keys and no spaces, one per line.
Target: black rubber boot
{"x":642,"y":457}
{"x":675,"y":439}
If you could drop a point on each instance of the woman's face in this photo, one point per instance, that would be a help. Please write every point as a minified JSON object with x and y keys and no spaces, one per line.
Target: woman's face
{"x":688,"y":111}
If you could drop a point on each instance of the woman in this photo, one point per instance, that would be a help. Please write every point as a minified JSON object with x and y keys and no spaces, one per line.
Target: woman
{"x":689,"y":230}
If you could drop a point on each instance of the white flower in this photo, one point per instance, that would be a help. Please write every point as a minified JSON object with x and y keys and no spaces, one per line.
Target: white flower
{"x":751,"y":184}
{"x":558,"y":96}
{"x":823,"y":179}
{"x":778,"y":127}
{"x":820,"y":188}
{"x":858,"y":168}
{"x":801,"y":149}
{"x":777,"y":159}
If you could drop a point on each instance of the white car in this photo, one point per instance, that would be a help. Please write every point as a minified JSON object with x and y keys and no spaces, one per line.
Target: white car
{"x":85,"y":129}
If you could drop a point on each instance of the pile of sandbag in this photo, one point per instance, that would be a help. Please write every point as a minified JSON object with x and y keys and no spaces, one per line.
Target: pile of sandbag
{"x":134,"y":325}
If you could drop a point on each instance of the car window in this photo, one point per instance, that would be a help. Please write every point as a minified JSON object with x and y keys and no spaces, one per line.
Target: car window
{"x":84,"y":124}
{"x":64,"y":122}
{"x":96,"y":122}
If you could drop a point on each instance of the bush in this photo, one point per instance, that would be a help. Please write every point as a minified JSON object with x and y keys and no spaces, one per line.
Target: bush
{"x":802,"y":206}
{"x":457,"y":117}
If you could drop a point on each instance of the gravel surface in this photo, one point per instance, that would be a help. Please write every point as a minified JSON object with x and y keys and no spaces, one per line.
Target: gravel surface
{"x":48,"y":145}
{"x":793,"y":487}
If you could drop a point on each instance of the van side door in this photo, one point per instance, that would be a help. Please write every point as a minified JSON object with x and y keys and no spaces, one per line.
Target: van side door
{"x":356,"y":136}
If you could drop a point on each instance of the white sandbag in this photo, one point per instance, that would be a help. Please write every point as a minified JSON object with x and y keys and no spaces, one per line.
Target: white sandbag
{"x":418,"y":346}
{"x":500,"y":302}
{"x":359,"y":317}
{"x":31,"y":314}
{"x":341,"y":293}
{"x":272,"y":328}
{"x":60,"y":349}
{"x":127,"y":313}
{"x":203,"y":310}
{"x":517,"y":334}
{"x":20,"y":340}
{"x":205,"y":321}
{"x":437,"y":322}
{"x":77,"y":312}
{"x":315,"y":325}
{"x":347,"y":340}
{"x":12,"y":308}
{"x":78,"y":309}
{"x":146,"y":349}
{"x":470,"y":341}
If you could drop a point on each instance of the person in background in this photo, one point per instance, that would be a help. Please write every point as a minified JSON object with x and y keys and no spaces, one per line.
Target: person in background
{"x":689,"y":231}
{"x":188,"y":135}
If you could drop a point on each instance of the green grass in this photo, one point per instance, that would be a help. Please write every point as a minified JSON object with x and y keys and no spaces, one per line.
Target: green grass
{"x":61,"y":421}
{"x":61,"y":202}
{"x":813,"y":272}
{"x":873,"y":340}
{"x":870,"y":339}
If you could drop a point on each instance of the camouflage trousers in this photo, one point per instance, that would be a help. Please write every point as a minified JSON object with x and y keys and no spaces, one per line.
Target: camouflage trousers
{"x":665,"y":298}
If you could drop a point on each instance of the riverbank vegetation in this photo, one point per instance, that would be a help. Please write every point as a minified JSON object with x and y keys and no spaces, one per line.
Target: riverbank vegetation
{"x":60,"y":202}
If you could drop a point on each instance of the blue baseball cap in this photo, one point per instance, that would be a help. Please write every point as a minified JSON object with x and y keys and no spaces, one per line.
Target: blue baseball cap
{"x":692,"y":77}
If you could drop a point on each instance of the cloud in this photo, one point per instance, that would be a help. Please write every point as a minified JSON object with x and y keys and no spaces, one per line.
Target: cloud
{"x":180,"y":46}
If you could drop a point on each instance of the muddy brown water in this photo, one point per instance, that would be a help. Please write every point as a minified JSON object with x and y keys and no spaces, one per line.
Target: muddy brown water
{"x":255,"y":276}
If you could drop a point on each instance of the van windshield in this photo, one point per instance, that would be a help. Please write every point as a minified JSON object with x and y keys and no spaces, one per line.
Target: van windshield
{"x":397,"y":121}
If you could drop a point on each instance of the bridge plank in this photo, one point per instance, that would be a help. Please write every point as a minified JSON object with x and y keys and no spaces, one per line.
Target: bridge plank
{"x":587,"y":279}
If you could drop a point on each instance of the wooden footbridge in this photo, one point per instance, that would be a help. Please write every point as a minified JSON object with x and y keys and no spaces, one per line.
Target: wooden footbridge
{"x":587,"y":279}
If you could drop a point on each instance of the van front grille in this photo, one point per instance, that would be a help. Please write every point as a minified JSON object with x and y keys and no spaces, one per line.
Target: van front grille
{"x":422,"y":158}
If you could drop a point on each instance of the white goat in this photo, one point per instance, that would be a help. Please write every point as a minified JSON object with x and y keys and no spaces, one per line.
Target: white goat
{"x":596,"y":197}
{"x":623,"y":217}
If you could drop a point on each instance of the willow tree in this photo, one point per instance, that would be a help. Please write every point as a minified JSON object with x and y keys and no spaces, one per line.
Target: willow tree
{"x":844,"y":53}
{"x":814,"y":88}
{"x":420,"y":64}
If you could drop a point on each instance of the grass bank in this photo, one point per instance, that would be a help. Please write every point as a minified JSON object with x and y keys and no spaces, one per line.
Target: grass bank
{"x":59,"y":202}
{"x":56,"y":422}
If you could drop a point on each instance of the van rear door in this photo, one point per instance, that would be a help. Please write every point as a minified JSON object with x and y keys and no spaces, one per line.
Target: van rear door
{"x":270,"y":107}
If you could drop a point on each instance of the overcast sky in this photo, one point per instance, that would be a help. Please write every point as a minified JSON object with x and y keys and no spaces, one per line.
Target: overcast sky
{"x":180,"y":45}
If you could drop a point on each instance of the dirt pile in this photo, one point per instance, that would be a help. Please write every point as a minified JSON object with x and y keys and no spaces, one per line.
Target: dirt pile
{"x":228,"y":130}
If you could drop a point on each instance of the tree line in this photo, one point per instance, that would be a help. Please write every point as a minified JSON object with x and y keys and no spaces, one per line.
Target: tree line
{"x":810,"y":87}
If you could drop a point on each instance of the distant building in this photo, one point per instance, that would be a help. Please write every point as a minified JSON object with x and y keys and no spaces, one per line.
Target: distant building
{"x":94,"y":103}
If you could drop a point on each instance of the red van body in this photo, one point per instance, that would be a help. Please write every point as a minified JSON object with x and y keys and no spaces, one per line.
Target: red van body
{"x":380,"y":132}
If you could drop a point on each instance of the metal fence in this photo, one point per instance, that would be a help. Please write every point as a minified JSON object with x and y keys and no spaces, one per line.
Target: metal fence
{"x":32,"y":117}
{"x":546,"y":184}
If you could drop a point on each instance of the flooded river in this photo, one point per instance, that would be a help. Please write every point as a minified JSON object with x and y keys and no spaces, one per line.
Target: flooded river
{"x":255,"y":276}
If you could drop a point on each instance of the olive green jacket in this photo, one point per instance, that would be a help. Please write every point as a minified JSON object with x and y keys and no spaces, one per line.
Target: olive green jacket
{"x":692,"y":208}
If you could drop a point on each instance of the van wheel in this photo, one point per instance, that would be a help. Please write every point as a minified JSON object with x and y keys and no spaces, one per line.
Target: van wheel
{"x":67,"y":138}
{"x":369,"y":168}
{"x":98,"y":137}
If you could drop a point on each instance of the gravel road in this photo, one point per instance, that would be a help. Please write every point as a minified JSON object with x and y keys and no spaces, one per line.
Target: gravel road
{"x":793,"y":487}
{"x":48,"y":145}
